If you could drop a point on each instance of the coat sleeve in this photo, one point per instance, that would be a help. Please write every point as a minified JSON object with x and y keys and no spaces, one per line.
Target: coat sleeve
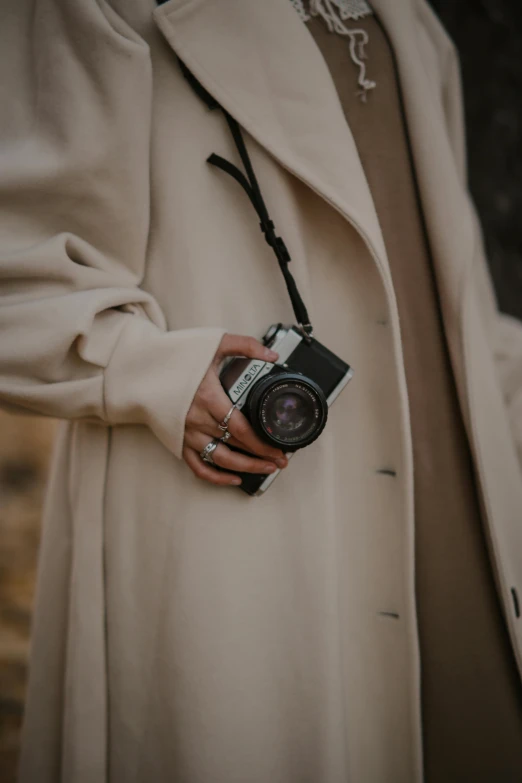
{"x":504,"y":331}
{"x":79,"y":337}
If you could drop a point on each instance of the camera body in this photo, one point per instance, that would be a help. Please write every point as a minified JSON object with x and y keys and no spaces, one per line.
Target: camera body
{"x":286,"y":403}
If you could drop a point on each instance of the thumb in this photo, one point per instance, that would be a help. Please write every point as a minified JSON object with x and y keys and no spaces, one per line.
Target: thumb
{"x":241,"y":345}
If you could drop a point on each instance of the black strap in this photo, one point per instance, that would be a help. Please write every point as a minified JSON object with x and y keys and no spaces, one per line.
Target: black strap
{"x":251,"y":187}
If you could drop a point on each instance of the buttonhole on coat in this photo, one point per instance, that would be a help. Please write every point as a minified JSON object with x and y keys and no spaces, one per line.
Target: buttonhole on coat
{"x":386,"y":472}
{"x":516,"y":603}
{"x":389,"y":614}
{"x":382,"y":321}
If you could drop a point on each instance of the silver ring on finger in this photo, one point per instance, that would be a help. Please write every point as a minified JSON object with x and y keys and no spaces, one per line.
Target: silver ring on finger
{"x":224,"y":424}
{"x":206,"y":454}
{"x":226,"y":436}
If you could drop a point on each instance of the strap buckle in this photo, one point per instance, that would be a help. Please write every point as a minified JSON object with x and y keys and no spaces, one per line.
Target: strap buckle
{"x":275,"y":242}
{"x":307,"y":330}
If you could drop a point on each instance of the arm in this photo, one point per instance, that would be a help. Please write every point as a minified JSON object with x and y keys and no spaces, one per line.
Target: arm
{"x":79,"y":337}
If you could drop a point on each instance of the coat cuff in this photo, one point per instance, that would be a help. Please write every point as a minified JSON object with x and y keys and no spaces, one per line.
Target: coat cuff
{"x":152,"y":377}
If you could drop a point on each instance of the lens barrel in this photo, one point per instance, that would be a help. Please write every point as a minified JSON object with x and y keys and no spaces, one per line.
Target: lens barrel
{"x":288,"y":410}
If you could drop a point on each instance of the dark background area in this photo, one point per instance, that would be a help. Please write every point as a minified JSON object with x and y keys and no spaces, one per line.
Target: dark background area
{"x":488,"y":35}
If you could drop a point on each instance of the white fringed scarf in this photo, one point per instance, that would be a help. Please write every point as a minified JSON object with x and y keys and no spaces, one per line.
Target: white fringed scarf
{"x":335,"y":13}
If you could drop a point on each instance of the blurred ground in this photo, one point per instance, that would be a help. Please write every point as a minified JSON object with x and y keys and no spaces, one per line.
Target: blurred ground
{"x":489,"y":36}
{"x":24,"y":451}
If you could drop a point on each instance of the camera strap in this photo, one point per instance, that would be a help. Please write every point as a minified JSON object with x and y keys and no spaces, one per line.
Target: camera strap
{"x":250,"y":185}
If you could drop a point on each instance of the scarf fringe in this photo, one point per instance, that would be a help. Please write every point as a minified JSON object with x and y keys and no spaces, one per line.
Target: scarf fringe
{"x":358,"y":37}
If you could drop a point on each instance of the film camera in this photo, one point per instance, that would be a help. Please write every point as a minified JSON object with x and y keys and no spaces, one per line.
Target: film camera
{"x":286,"y":403}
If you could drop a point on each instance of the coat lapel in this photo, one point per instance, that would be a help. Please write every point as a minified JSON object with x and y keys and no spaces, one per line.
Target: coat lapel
{"x":444,"y":199}
{"x":261,"y":63}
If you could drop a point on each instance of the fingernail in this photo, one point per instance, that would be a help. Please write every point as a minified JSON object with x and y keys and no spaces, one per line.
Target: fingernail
{"x":236,"y":481}
{"x":269,"y":468}
{"x":281,"y":462}
{"x":271,"y":356}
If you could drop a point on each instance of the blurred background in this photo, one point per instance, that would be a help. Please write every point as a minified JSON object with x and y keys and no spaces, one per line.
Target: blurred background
{"x":25,"y":444}
{"x":488,"y":34}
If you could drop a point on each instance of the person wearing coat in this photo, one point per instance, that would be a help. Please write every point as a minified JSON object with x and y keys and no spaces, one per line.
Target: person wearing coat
{"x":360,"y":621}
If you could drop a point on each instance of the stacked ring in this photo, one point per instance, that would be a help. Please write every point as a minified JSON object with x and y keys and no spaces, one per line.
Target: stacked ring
{"x":226,"y":436}
{"x":224,"y":424}
{"x":206,"y":454}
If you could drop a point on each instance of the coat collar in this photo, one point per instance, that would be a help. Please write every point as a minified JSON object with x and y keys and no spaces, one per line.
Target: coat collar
{"x":261,"y":63}
{"x":444,"y":198}
{"x":443,"y":195}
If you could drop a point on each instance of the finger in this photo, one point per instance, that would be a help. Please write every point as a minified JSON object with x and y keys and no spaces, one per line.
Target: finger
{"x":241,"y":463}
{"x":207,"y":424}
{"x":243,"y":432}
{"x":202,"y":421}
{"x":203,"y":471}
{"x":231,"y":441}
{"x":231,"y":460}
{"x":243,"y":345}
{"x":215,"y":432}
{"x":218,"y":404}
{"x":212,"y":399}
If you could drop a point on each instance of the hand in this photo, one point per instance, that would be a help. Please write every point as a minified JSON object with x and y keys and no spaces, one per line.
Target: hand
{"x":210,"y":406}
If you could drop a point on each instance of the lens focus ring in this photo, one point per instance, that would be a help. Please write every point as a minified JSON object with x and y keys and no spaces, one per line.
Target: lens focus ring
{"x":288,"y":410}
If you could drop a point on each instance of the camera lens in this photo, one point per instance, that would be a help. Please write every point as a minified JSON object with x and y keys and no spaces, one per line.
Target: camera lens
{"x":289,"y":413}
{"x":289,"y":410}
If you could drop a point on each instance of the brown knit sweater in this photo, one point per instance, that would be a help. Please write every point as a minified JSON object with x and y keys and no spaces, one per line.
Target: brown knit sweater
{"x":471,"y":699}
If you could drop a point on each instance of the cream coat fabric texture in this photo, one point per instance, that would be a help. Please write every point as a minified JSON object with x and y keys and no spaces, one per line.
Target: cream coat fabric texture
{"x":185,"y":632}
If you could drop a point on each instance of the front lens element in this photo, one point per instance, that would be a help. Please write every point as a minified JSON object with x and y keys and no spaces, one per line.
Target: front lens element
{"x":291,"y":412}
{"x":287,"y":409}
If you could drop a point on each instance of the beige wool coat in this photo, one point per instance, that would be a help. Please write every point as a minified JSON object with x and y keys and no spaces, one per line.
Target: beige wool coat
{"x":185,"y":632}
